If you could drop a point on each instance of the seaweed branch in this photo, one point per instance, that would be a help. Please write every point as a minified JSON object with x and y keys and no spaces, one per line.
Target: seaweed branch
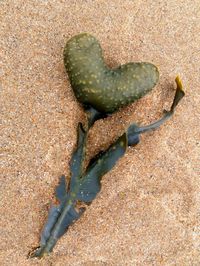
{"x":86,"y":184}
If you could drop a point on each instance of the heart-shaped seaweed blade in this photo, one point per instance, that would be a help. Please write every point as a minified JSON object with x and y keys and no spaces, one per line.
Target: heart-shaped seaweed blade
{"x":96,"y":85}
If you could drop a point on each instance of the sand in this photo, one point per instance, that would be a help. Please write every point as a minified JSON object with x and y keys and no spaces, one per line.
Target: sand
{"x":148,"y":212}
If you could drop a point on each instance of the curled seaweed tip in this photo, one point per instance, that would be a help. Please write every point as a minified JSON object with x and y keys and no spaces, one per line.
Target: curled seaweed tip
{"x":134,"y":131}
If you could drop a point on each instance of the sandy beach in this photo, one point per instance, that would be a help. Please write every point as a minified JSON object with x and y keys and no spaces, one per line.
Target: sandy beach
{"x":148,"y":211}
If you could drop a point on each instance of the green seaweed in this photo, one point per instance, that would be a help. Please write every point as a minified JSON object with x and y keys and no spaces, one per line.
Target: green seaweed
{"x":96,"y":85}
{"x":83,"y":188}
{"x":86,"y":184}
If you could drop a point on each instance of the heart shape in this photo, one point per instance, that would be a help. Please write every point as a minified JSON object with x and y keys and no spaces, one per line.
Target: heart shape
{"x":96,"y":85}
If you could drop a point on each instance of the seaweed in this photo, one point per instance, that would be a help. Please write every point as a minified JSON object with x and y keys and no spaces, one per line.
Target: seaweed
{"x":82,"y":188}
{"x":96,"y":85}
{"x":85,"y":181}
